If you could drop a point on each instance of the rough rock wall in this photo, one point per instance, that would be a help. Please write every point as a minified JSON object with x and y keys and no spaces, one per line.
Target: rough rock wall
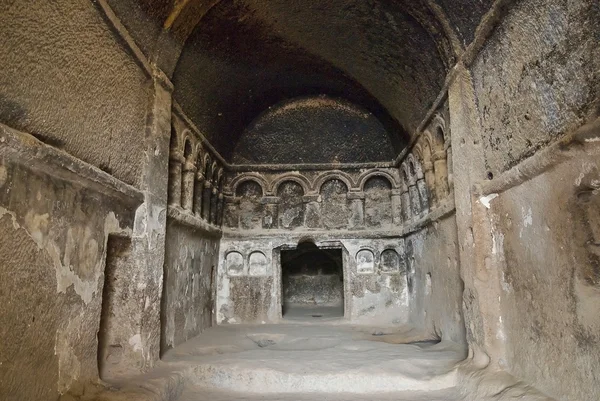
{"x":537,"y":77}
{"x":54,"y":227}
{"x":69,"y":81}
{"x":551,"y":279}
{"x":524,"y":260}
{"x":188,"y":294}
{"x":435,"y":286}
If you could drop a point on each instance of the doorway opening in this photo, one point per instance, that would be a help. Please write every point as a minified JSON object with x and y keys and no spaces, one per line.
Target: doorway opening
{"x":312,"y":282}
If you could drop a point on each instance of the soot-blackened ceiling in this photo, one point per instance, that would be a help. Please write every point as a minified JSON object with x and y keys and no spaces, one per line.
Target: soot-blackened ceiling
{"x":241,"y":56}
{"x":247,"y":55}
{"x":315,"y":129}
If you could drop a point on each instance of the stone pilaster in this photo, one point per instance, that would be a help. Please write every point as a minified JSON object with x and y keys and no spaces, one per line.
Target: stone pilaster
{"x":357,"y":210}
{"x":397,"y":207}
{"x":175,"y":169}
{"x":198,"y":192}
{"x":271,"y":211}
{"x":187,"y":185}
{"x":206,"y":195}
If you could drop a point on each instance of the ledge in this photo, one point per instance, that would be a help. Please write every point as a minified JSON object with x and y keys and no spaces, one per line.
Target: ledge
{"x":444,"y":209}
{"x":183,"y":217}
{"x":575,"y":144}
{"x":25,"y":150}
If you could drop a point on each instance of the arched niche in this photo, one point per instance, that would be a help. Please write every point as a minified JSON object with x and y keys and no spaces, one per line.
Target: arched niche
{"x":378,"y":202}
{"x":365,"y":261}
{"x":250,"y":209}
{"x":234,"y":263}
{"x":334,"y":206}
{"x":258,"y":265}
{"x":291,"y":205}
{"x":389,"y":261}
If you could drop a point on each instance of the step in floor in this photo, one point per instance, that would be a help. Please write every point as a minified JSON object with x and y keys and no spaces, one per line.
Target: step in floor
{"x":295,"y":361}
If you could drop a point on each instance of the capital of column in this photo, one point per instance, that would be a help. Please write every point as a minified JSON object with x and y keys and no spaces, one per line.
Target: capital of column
{"x":311,"y":198}
{"x":355,"y":195}
{"x":270,"y":200}
{"x":175,"y":156}
{"x":441,"y":155}
{"x":189,"y":166}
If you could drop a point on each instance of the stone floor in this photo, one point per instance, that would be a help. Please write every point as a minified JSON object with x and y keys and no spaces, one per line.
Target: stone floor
{"x":297,"y":361}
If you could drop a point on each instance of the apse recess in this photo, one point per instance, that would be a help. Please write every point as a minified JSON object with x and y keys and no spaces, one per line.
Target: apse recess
{"x":315,"y":129}
{"x":247,"y":56}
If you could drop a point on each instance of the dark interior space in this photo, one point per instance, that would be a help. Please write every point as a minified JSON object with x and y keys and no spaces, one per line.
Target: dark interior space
{"x":312,"y":282}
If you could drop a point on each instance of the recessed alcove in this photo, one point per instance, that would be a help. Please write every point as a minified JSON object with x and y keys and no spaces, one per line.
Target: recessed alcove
{"x":312,"y":281}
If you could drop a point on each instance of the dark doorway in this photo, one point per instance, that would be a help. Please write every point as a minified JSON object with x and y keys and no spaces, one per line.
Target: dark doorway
{"x":313,"y":282}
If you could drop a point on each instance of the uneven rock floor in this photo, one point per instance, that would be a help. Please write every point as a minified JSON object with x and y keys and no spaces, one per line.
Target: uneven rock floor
{"x":312,"y":362}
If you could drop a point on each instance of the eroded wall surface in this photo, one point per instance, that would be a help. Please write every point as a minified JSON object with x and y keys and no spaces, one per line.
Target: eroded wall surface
{"x":69,"y":81}
{"x":54,"y":227}
{"x":434,"y":283}
{"x":188,"y":294}
{"x":551,"y":278}
{"x":528,"y":246}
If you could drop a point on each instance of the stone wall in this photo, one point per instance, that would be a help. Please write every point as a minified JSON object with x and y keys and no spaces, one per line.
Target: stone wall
{"x":190,"y":270}
{"x":70,"y":81}
{"x":55,"y":223}
{"x":249,"y":278}
{"x":548,"y":242}
{"x":77,"y":82}
{"x":435,"y":286}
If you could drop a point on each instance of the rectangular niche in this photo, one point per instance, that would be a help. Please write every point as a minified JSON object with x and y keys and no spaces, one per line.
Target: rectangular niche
{"x":312,"y":282}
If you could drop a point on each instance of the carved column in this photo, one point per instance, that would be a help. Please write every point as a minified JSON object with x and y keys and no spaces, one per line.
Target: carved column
{"x":198,"y":189}
{"x":206,"y":193}
{"x":430,"y":181}
{"x":441,"y":174}
{"x":396,"y":206}
{"x":312,"y":210}
{"x":175,"y":161}
{"x":415,"y":199}
{"x":405,"y":198}
{"x":187,"y":185}
{"x":271,"y":211}
{"x":423,"y":195}
{"x":220,"y":202}
{"x":357,"y":209}
{"x":214,"y":200}
{"x":450,"y":169}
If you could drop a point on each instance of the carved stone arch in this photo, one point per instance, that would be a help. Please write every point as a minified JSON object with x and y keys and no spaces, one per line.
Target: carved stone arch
{"x":207,"y":166}
{"x":219,"y":175}
{"x":438,"y":133}
{"x":418,"y":150}
{"x":199,"y":159}
{"x":236,"y":181}
{"x":299,"y":179}
{"x":333,"y":175}
{"x":414,"y":166}
{"x":188,"y":148}
{"x":215,"y":171}
{"x":175,"y":141}
{"x":427,"y":146}
{"x":377,"y":173}
{"x":406,"y":177}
